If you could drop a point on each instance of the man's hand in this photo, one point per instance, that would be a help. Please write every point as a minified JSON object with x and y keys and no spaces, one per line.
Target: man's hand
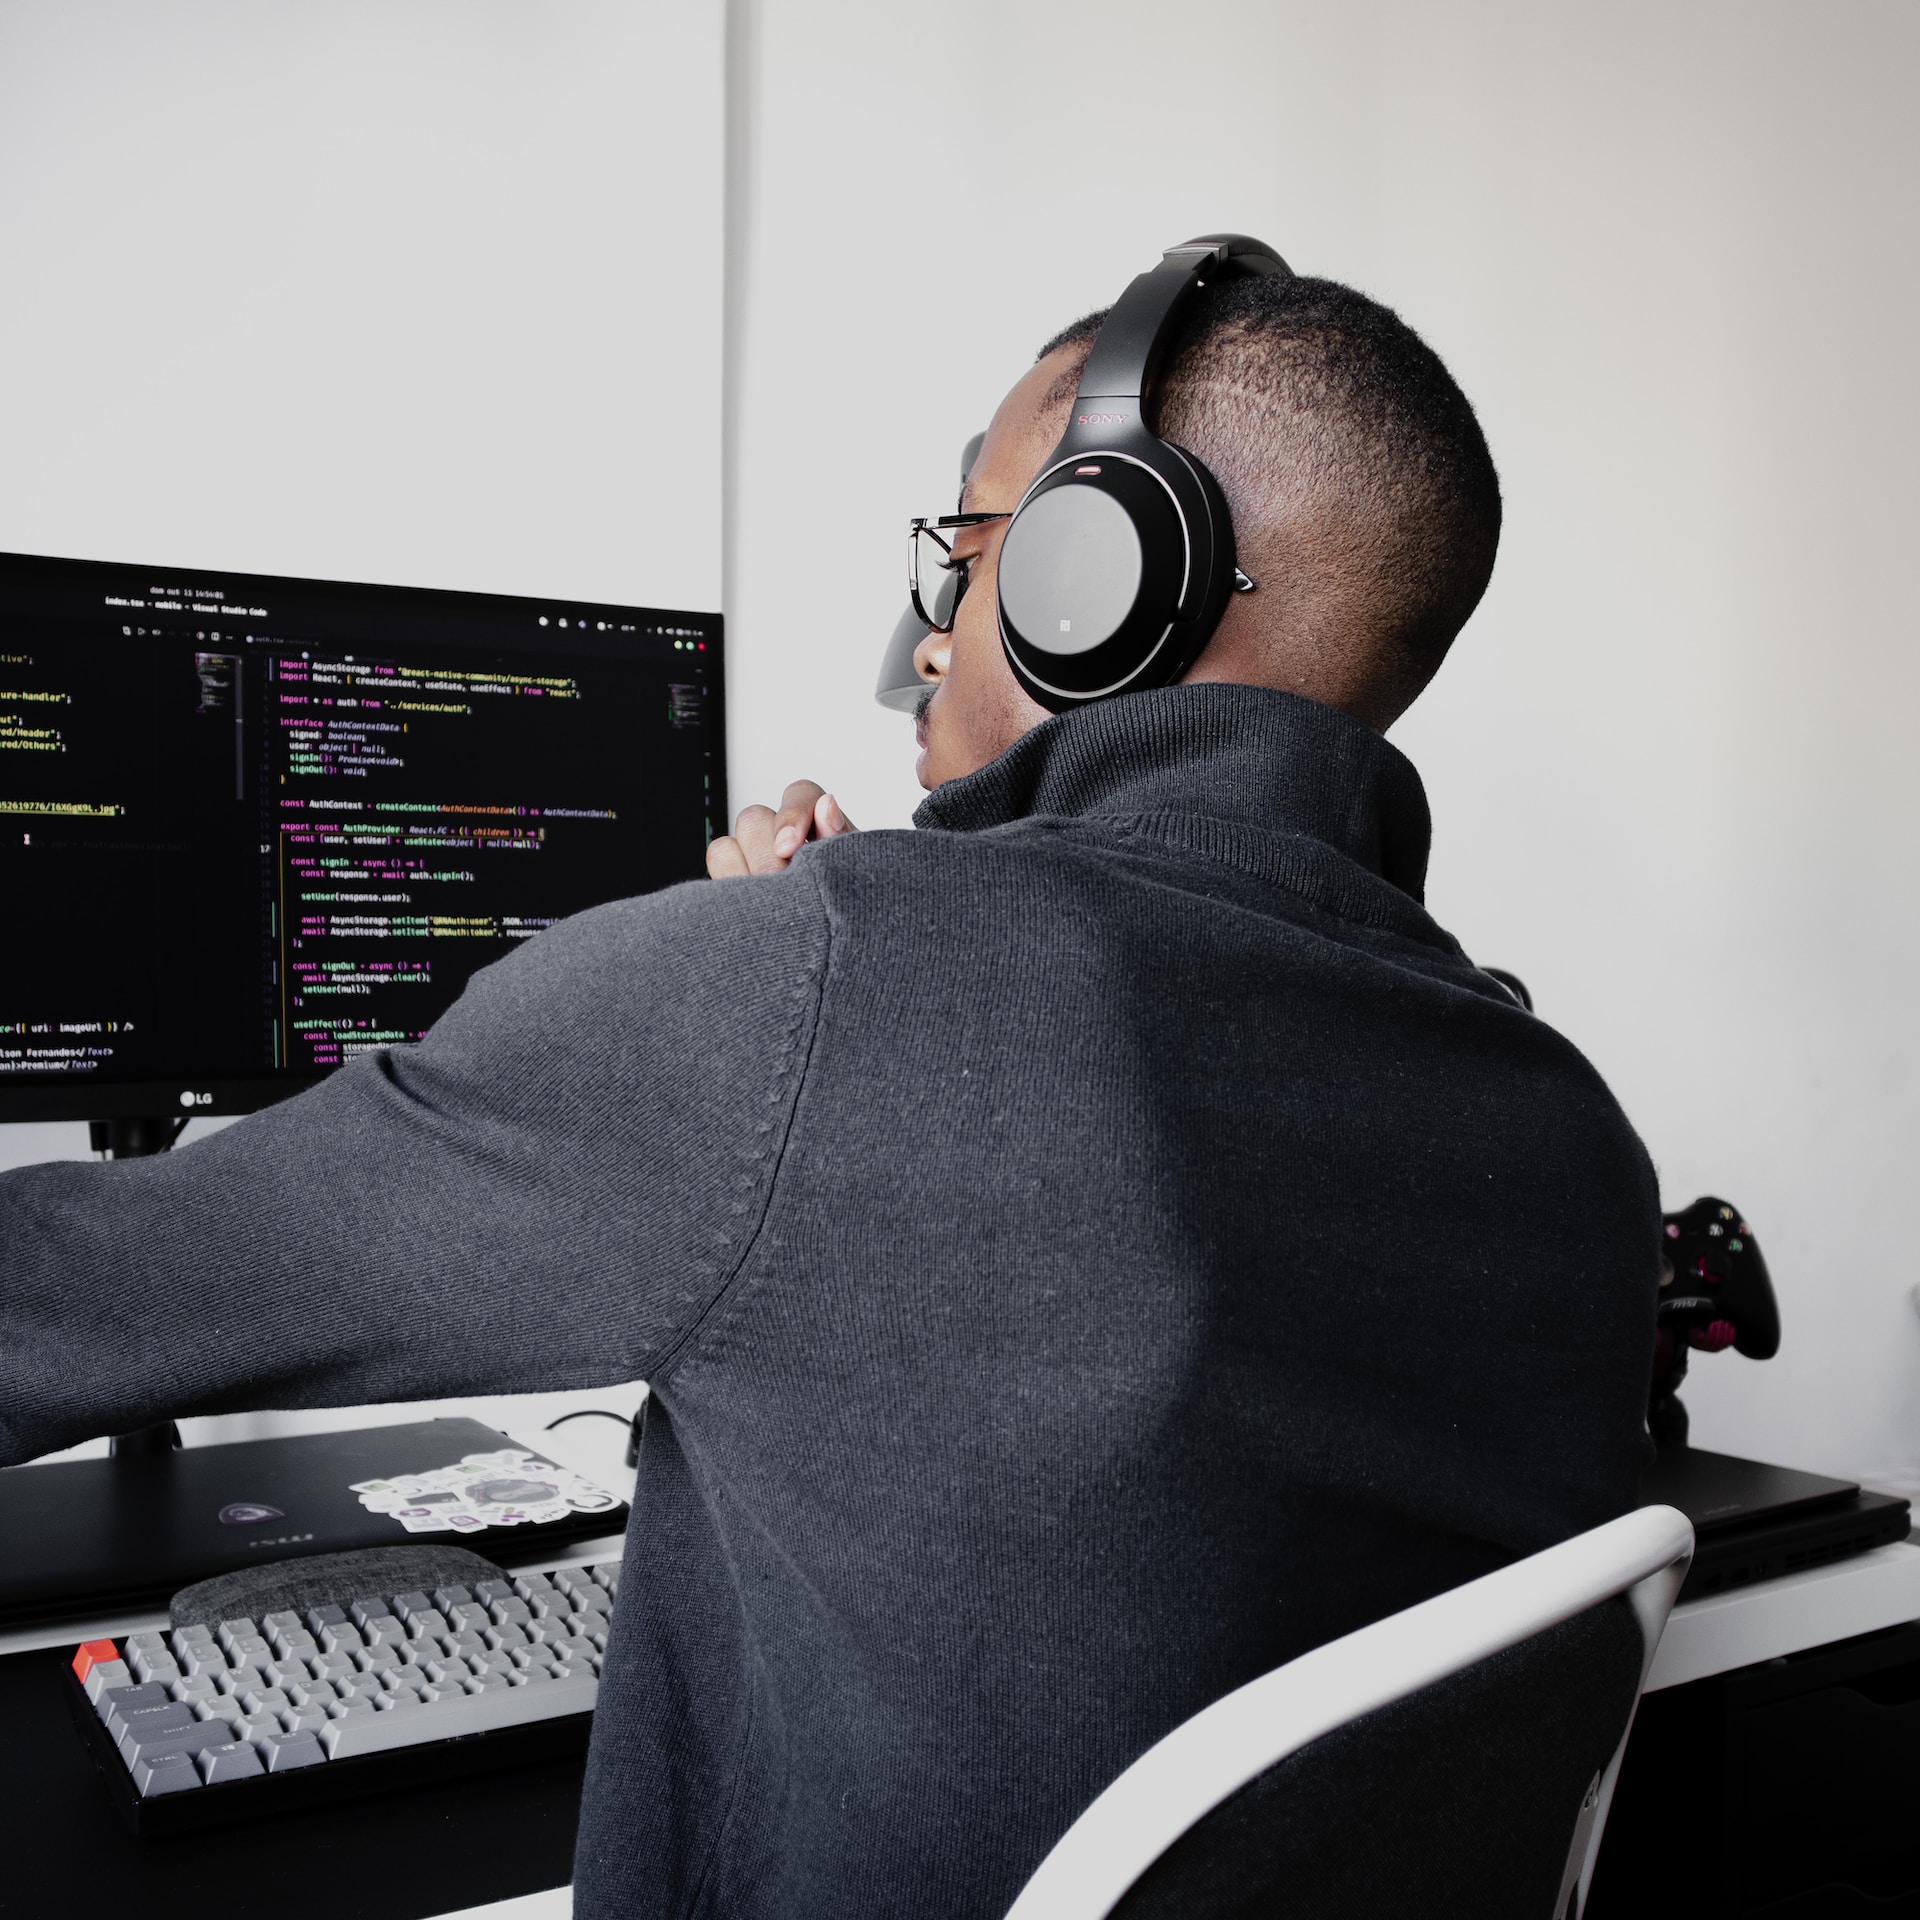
{"x":763,"y":841}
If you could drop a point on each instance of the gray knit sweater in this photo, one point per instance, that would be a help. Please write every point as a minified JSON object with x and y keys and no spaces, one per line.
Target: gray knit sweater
{"x":1086,"y":1252}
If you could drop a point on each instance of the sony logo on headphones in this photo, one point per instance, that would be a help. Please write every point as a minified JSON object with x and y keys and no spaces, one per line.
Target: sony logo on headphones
{"x":1100,"y":419}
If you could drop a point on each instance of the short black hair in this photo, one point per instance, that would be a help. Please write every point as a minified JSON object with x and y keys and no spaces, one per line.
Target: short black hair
{"x":1308,"y":389}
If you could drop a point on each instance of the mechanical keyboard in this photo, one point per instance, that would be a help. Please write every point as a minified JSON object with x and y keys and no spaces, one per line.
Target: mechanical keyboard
{"x":203,"y":1724}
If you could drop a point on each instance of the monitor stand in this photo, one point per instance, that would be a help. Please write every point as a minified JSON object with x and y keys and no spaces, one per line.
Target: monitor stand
{"x":133,"y":1140}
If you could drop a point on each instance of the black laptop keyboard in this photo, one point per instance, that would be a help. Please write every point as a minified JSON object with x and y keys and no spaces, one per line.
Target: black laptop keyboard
{"x":230,"y":1717}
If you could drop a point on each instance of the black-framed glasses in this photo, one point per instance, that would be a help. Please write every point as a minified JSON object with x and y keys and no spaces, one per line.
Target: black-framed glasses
{"x":935,"y":579}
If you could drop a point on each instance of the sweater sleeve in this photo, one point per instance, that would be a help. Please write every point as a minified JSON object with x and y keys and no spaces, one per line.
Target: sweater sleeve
{"x":547,"y":1191}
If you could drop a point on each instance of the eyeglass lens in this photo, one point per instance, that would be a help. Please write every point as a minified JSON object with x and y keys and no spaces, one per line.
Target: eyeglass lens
{"x":937,"y":581}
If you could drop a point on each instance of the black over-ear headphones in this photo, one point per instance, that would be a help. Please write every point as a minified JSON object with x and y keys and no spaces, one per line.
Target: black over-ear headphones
{"x":1119,"y":559}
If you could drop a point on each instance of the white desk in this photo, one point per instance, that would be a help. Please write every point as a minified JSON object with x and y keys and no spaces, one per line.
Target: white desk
{"x":1788,"y":1615}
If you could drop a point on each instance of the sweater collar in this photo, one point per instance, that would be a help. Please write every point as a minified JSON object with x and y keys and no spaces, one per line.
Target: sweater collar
{"x":1248,"y":756}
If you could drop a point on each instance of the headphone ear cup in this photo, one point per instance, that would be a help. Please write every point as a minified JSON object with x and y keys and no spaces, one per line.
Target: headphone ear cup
{"x":1097,"y":569}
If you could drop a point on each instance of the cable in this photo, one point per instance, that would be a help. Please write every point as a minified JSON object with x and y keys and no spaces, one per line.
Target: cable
{"x":588,"y":1413}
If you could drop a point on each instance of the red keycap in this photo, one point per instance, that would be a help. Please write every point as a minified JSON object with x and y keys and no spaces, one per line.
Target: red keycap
{"x":93,"y":1654}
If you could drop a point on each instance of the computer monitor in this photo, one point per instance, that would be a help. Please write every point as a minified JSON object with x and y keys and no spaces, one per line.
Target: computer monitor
{"x":251,"y":827}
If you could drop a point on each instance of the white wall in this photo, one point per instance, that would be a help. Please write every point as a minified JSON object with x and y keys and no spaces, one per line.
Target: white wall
{"x":1669,"y":249}
{"x":425,"y":293}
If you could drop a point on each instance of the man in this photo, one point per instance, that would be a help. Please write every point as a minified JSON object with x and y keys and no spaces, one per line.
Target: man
{"x":1085,"y":1252}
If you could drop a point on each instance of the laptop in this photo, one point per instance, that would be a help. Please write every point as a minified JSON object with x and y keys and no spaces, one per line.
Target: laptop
{"x":1754,"y":1522}
{"x":101,"y":1536}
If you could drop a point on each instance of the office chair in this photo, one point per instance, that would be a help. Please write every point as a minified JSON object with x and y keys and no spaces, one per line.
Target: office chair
{"x":1456,"y":1758}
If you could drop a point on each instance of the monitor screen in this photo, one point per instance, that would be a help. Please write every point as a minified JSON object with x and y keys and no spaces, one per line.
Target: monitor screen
{"x":251,"y":827}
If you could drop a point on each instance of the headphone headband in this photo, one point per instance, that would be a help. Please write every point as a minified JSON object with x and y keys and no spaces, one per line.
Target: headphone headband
{"x":1119,"y":560}
{"x":1132,"y":339}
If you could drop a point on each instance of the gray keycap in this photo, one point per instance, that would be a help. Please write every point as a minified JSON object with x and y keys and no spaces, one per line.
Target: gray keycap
{"x":384,"y":1631}
{"x":469,"y":1646}
{"x":138,"y":1743}
{"x":448,"y":1669}
{"x":253,"y":1652}
{"x":447,"y":1598}
{"x":313,"y":1693}
{"x":427,"y":1624}
{"x":165,"y":1773}
{"x":147,"y":1642}
{"x":503,"y":1638}
{"x":259,"y":1699}
{"x":282,"y":1752}
{"x":526,"y":1585}
{"x":237,"y":1629}
{"x":187,"y":1639}
{"x":493,"y":1706}
{"x":483,"y":1682}
{"x":304,"y":1719}
{"x":378,"y":1660}
{"x":333,"y":1666}
{"x":287,"y":1620}
{"x":468,"y":1616}
{"x":406,"y":1605}
{"x":536,"y":1656}
{"x":359,"y":1686}
{"x":606,"y":1574}
{"x":199,"y":1687}
{"x":408,"y":1674}
{"x":536,"y":1672}
{"x":512,"y":1611}
{"x":571,"y":1579}
{"x":344,"y":1638}
{"x":116,"y":1707}
{"x":294,"y":1643}
{"x":202,"y":1656}
{"x":155,"y":1666}
{"x":327,"y":1616}
{"x":370,"y":1606}
{"x":497,"y":1663}
{"x":342,"y":1708}
{"x":235,"y":1761}
{"x":403,"y":1698}
{"x":545,"y":1633}
{"x":107,"y":1676}
{"x":492,"y":1592}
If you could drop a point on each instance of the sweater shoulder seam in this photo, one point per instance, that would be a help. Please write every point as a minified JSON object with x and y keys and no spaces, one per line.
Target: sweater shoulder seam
{"x":806,"y":1030}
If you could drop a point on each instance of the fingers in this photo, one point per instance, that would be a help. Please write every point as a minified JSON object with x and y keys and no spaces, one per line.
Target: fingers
{"x":725,"y":860}
{"x":828,"y":821}
{"x":763,"y":841}
{"x":793,"y":824}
